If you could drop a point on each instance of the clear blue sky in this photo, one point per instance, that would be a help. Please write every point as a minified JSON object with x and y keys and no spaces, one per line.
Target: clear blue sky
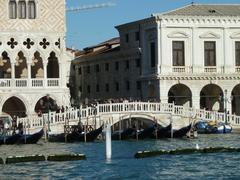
{"x":90,"y":27}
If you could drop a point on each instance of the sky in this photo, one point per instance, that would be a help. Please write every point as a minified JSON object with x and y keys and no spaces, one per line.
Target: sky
{"x":90,"y":27}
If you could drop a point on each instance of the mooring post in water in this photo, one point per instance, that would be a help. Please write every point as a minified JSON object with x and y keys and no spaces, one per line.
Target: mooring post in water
{"x":108,"y":142}
{"x":171,"y":121}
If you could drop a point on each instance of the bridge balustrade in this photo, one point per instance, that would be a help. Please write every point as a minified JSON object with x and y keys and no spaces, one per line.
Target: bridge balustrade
{"x":88,"y":114}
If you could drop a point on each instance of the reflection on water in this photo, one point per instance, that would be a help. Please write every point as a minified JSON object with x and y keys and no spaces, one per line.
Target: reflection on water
{"x":123,"y":165}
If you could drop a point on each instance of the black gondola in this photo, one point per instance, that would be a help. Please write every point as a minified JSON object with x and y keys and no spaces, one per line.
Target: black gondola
{"x":31,"y":138}
{"x":143,"y":133}
{"x":76,"y":136}
{"x":180,"y":132}
{"x":161,"y":132}
{"x":123,"y":135}
{"x":8,"y":140}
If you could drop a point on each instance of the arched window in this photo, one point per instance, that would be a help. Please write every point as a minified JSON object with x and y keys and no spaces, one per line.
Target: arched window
{"x":22,"y":9}
{"x":31,"y":9}
{"x":12,"y":9}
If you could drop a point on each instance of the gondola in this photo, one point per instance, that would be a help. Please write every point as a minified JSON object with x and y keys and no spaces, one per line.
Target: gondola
{"x":76,"y":136}
{"x":123,"y":135}
{"x":166,"y":132}
{"x":161,"y":132}
{"x":144,"y":133}
{"x":10,"y":139}
{"x":31,"y":138}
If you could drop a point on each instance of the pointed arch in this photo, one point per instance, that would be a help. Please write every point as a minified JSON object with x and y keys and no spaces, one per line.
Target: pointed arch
{"x":5,"y":66}
{"x":53,"y":66}
{"x":21,"y":66}
{"x":37,"y":66}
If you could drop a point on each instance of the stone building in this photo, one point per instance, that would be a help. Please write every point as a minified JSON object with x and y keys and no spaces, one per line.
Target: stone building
{"x":34,"y":64}
{"x":189,"y":56}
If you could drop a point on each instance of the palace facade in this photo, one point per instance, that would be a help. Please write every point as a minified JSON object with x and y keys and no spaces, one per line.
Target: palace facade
{"x":34,"y":64}
{"x":189,"y":56}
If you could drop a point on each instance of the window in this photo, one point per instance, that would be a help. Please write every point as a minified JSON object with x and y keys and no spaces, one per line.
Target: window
{"x":79,"y":70}
{"x":31,"y":9}
{"x":210,"y":53}
{"x":153,"y":54}
{"x":107,"y":87}
{"x":237,"y":52}
{"x":117,"y":86}
{"x":138,"y":62}
{"x":22,"y":9}
{"x":88,"y":69}
{"x":127,"y":85}
{"x":116,"y":65}
{"x":138,"y":85}
{"x":97,"y":68}
{"x":178,"y":53}
{"x":88,"y":89}
{"x":12,"y":9}
{"x":137,"y":36}
{"x":127,"y":64}
{"x":127,"y":38}
{"x":97,"y":88}
{"x":106,"y":66}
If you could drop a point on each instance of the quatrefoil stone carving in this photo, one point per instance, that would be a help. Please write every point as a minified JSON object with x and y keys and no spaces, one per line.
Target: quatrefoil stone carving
{"x":58,"y":43}
{"x":12,"y":43}
{"x":28,"y":43}
{"x":44,"y":43}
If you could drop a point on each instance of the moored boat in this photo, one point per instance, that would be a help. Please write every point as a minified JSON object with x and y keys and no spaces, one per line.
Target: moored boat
{"x":212,"y":127}
{"x":76,"y":136}
{"x":123,"y":135}
{"x":31,"y":138}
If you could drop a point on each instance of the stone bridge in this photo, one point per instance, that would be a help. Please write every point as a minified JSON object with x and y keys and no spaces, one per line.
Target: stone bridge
{"x":113,"y":113}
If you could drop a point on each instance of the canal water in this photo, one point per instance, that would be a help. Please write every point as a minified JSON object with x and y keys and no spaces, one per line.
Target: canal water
{"x":123,"y":164}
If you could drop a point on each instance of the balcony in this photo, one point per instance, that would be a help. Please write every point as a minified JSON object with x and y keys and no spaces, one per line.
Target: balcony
{"x":182,"y":69}
{"x":210,"y":69}
{"x":26,"y":83}
{"x":237,"y":69}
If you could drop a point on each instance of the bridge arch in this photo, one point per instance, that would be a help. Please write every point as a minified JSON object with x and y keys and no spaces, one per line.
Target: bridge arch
{"x":210,"y":97}
{"x":236,"y":100}
{"x":180,"y":94}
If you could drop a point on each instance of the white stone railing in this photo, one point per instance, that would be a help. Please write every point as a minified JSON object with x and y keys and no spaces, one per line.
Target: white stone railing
{"x":237,"y":69}
{"x":182,"y":69}
{"x":89,"y":114}
{"x":210,"y":69}
{"x":21,"y":83}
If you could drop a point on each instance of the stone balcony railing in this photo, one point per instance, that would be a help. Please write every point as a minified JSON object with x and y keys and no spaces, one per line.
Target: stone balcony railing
{"x":34,"y":83}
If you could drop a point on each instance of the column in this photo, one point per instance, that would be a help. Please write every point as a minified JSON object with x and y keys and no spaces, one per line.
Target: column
{"x":158,"y":49}
{"x":29,"y":74}
{"x":45,"y":74}
{"x":12,"y":74}
{"x":60,"y":79}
